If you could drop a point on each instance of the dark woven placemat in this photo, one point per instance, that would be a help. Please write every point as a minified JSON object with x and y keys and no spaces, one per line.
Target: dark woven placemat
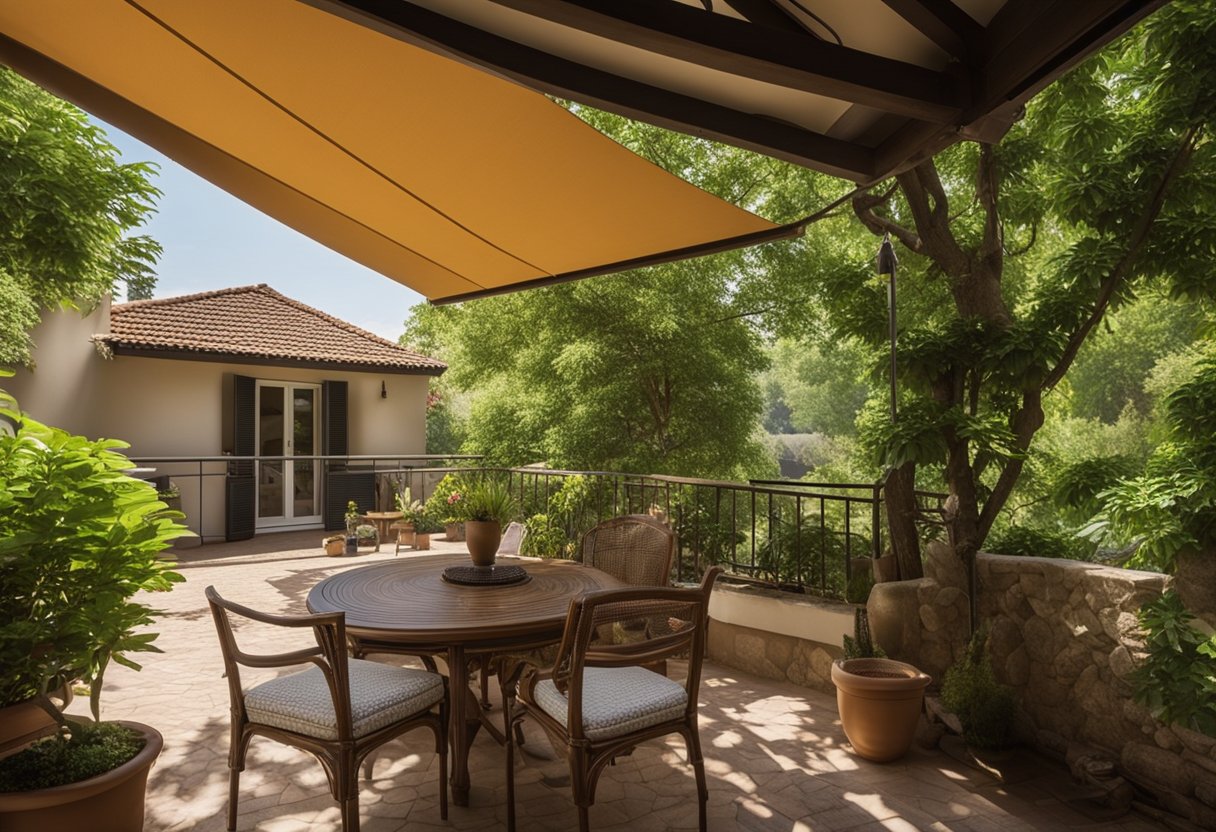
{"x":494,"y":576}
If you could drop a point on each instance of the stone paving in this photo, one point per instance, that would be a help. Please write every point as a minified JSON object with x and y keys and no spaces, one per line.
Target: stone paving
{"x":776,"y":757}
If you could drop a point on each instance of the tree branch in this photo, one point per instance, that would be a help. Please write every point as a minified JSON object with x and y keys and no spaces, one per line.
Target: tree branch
{"x":1026,"y":423}
{"x":1118,"y":274}
{"x":863,"y":208}
{"x":986,"y":189}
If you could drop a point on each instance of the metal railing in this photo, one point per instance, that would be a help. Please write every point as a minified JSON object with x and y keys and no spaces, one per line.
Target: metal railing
{"x":808,"y":537}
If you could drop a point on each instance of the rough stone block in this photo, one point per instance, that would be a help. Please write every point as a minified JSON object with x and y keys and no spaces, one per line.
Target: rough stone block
{"x":1165,"y":738}
{"x":1142,"y":761}
{"x":1040,"y":641}
{"x":1017,"y":668}
{"x":894,"y":620}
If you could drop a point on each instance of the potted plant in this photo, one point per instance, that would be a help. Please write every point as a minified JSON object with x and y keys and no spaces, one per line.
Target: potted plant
{"x":352,"y":528}
{"x":488,"y":505}
{"x":411,"y":510}
{"x":367,"y":535}
{"x":446,"y":504}
{"x":78,"y":540}
{"x":424,"y":527}
{"x":334,"y":545}
{"x":879,"y":699}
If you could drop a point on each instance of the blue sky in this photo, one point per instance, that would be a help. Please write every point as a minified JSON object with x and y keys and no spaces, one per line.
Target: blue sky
{"x":213,"y":240}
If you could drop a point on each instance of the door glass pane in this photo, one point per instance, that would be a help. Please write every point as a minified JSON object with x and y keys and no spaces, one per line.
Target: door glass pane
{"x":270,"y":443}
{"x":304,"y":500}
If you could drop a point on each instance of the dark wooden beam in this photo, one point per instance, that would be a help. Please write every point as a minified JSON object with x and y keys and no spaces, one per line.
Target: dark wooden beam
{"x":944,"y":23}
{"x":745,"y":50}
{"x":761,"y":13}
{"x":1030,"y":43}
{"x":568,"y":79}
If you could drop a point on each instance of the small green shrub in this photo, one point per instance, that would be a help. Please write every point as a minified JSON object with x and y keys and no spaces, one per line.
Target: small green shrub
{"x":445,"y":502}
{"x":971,"y":691}
{"x":1177,"y":680}
{"x":91,"y":749}
{"x":861,"y":645}
{"x":1039,"y":542}
{"x":545,"y":538}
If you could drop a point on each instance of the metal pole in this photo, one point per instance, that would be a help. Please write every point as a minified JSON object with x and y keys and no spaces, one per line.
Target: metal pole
{"x":887,"y":263}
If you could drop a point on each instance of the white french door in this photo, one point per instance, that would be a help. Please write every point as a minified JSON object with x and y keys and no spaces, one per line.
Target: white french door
{"x":287,"y":424}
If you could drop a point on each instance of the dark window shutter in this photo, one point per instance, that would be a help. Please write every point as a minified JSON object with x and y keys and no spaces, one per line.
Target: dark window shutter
{"x":240,"y":489}
{"x":334,"y":438}
{"x":341,"y":485}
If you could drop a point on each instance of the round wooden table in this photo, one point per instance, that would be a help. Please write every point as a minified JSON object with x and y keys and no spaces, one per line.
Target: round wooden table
{"x":407,"y":604}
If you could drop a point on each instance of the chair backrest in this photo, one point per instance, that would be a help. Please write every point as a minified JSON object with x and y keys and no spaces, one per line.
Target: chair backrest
{"x":680,"y":613}
{"x":329,"y":654}
{"x":637,"y":549}
{"x":512,"y":539}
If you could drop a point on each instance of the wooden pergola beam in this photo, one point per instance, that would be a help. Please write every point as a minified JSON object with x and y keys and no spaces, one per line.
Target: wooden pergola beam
{"x":944,"y":23}
{"x":775,"y":56}
{"x":569,"y":79}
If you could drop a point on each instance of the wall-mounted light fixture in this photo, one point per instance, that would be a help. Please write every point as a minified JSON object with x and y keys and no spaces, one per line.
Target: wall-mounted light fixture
{"x":383,"y":391}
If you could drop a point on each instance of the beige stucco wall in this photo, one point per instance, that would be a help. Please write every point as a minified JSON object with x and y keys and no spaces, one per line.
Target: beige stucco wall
{"x":174,"y":408}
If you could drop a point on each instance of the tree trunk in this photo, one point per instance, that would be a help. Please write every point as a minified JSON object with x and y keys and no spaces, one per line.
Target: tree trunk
{"x":899,"y":494}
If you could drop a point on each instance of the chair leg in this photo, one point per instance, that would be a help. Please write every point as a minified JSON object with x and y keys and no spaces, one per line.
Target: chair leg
{"x":350,"y":814}
{"x":234,"y":788}
{"x":509,"y":733}
{"x":442,"y":743}
{"x":698,"y":768}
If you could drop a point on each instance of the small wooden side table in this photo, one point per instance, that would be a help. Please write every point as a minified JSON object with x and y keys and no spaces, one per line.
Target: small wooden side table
{"x":382,"y":521}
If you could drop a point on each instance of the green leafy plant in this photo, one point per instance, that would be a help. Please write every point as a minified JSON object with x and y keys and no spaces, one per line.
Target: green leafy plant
{"x":1039,"y":541}
{"x":446,"y":501}
{"x":411,"y":510}
{"x":1177,"y":679}
{"x":425,"y":524}
{"x":366,"y":533}
{"x":489,"y":499}
{"x":352,"y":516}
{"x":90,"y":750}
{"x":861,"y":644}
{"x":983,"y":705}
{"x":79,"y":539}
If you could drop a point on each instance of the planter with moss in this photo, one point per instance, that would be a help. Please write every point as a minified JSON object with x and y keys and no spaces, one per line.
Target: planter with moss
{"x":111,"y":801}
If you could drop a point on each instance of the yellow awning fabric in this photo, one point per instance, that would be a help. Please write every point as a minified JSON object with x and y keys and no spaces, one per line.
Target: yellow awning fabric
{"x":443,"y":177}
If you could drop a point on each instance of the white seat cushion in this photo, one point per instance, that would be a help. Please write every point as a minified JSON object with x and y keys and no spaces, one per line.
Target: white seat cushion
{"x":617,"y":700}
{"x":380,"y":695}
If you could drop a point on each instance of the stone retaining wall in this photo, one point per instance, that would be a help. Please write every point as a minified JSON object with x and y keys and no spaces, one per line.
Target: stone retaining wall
{"x":1065,"y":636}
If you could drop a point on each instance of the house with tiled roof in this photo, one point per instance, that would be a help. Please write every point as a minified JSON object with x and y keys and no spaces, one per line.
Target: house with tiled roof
{"x":200,"y":384}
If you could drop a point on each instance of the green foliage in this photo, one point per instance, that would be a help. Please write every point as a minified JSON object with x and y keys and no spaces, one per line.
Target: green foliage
{"x":1177,"y":679}
{"x":489,"y":498}
{"x":983,"y":705}
{"x":445,"y":502}
{"x":412,"y":510}
{"x":78,"y":540}
{"x":427,"y":525}
{"x":555,"y":532}
{"x":861,"y":644}
{"x":823,"y":385}
{"x":67,"y":206}
{"x":89,"y":750}
{"x":1171,"y":506}
{"x":1039,"y":541}
{"x":1113,"y":368}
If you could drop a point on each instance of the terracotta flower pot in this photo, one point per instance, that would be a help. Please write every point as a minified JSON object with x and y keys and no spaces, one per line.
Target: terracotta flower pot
{"x":879,"y":701}
{"x":21,"y":724}
{"x":422,"y":542}
{"x":454,"y":531}
{"x":482,"y":538}
{"x":110,"y":802}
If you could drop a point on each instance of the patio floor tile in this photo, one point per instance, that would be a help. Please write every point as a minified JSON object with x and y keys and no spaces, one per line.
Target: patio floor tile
{"x":776,"y":758}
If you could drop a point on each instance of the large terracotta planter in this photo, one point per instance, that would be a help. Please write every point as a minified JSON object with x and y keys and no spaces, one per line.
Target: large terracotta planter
{"x":111,"y":802}
{"x":21,"y":724}
{"x":879,"y":701}
{"x":482,"y":538}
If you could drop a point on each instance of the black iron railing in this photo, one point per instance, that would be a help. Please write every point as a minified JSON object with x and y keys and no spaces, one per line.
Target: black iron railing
{"x":808,"y":537}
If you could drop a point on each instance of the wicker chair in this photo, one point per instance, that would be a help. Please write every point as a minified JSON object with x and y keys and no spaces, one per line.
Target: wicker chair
{"x":340,"y":710}
{"x":637,"y":548}
{"x":599,"y":700}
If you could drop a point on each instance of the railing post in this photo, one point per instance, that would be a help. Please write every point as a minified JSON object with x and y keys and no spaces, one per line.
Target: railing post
{"x":876,"y":520}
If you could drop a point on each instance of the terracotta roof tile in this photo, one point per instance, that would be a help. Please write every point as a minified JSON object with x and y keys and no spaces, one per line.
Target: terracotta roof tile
{"x":255,"y":322}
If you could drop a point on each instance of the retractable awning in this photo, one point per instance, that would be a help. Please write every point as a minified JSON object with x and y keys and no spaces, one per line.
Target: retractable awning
{"x":441,"y":176}
{"x":411,"y":135}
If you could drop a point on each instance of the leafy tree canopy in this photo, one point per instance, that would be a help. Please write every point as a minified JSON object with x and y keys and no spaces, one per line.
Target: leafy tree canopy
{"x":66,"y":207}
